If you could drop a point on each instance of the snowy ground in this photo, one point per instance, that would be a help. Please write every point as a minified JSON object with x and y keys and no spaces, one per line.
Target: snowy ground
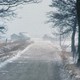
{"x":39,"y":61}
{"x":70,"y":65}
{"x":10,"y":49}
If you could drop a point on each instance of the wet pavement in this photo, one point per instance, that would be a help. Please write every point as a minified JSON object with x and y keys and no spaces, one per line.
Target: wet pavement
{"x":40,"y":61}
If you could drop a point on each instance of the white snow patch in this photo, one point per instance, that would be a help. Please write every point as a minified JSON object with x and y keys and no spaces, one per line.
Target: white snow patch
{"x":14,"y":58}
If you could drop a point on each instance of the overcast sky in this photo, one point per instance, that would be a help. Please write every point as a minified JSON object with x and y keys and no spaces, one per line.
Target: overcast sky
{"x":31,"y":19}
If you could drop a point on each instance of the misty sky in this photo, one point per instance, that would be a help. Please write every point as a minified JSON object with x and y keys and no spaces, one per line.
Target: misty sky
{"x":31,"y":19}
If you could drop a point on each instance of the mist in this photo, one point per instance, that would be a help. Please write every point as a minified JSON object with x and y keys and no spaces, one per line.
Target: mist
{"x":31,"y":18}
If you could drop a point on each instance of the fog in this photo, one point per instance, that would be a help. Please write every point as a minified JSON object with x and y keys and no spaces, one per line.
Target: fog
{"x":31,"y":18}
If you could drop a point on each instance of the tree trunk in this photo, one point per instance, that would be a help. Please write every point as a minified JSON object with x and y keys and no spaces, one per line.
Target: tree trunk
{"x":60,"y":40}
{"x":73,"y":48}
{"x":78,"y":17}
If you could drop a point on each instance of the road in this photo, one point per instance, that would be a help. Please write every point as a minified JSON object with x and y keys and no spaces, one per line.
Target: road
{"x":40,"y":61}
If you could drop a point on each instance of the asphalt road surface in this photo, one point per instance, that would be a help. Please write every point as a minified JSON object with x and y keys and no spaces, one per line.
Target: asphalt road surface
{"x":39,"y":61}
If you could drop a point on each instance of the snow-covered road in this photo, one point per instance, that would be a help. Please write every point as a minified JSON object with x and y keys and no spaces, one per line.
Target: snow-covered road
{"x":39,"y":61}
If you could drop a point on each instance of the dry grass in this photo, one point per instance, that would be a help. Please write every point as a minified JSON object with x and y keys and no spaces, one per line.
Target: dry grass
{"x":73,"y":70}
{"x":11,"y":48}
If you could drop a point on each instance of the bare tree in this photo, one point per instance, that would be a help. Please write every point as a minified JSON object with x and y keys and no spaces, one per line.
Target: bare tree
{"x":78,"y":17}
{"x":6,"y":8}
{"x":65,"y":19}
